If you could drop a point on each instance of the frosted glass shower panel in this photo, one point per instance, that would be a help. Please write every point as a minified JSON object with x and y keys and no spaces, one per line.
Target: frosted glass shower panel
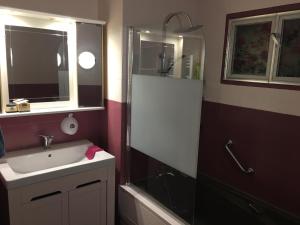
{"x":165,"y":120}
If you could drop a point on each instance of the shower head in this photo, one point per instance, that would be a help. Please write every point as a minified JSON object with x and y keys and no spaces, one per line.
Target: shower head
{"x":179,"y":16}
{"x":188,"y":29}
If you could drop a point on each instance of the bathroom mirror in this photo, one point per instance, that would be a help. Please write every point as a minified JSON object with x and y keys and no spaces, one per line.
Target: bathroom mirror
{"x":53,"y":61}
{"x":89,"y":66}
{"x":37,"y":64}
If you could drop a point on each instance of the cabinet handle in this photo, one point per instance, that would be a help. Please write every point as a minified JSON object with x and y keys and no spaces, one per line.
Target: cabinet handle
{"x":45,"y":196}
{"x":87,"y":184}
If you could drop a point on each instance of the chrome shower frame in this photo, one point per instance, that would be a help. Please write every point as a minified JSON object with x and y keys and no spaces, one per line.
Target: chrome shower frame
{"x":129,"y":70}
{"x":128,"y":101}
{"x":128,"y":150}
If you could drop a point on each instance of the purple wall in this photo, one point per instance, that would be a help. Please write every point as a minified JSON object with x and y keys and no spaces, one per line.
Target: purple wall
{"x":22,"y":132}
{"x":116,"y":133}
{"x":106,"y":128}
{"x":266,"y":141}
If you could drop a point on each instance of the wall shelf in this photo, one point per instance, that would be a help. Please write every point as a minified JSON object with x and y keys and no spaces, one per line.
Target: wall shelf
{"x":35,"y":112}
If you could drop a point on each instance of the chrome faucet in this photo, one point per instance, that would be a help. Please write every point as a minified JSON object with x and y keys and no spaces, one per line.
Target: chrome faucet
{"x":47,"y":140}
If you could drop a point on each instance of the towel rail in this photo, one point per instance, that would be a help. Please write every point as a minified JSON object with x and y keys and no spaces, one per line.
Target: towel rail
{"x":242,"y":168}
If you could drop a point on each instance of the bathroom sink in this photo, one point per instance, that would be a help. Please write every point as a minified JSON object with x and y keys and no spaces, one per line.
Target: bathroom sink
{"x":45,"y":159}
{"x":29,"y":166}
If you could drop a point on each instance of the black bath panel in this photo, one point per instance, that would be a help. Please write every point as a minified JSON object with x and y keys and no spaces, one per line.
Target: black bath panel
{"x":219,"y":204}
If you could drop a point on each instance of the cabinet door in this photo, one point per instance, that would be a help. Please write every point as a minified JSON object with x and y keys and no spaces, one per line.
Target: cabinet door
{"x":44,"y":210}
{"x":87,"y":204}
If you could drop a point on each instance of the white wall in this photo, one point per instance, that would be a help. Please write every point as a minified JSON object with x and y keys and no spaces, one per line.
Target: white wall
{"x":77,"y":8}
{"x":119,"y":14}
{"x":212,"y":14}
{"x":113,"y":14}
{"x":145,"y":12}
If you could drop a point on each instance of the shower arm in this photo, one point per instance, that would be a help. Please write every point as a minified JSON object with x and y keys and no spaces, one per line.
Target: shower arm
{"x":177,"y":14}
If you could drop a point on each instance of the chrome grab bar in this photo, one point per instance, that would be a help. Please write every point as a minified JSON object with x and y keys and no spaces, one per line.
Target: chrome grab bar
{"x":246,"y":171}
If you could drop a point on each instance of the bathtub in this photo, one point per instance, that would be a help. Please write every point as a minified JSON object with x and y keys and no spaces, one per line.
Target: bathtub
{"x":136,"y":207}
{"x":217,"y":204}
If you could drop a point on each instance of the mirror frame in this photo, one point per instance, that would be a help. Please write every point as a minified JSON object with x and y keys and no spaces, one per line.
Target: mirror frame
{"x":69,"y":27}
{"x":35,"y":19}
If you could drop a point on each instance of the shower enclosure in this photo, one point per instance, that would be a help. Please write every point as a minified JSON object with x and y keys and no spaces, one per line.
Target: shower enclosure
{"x":165,"y":82}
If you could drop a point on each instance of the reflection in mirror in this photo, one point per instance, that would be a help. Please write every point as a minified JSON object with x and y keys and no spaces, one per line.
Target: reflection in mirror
{"x":150,"y":62}
{"x":37,"y":64}
{"x":191,"y":60}
{"x":89,"y":69}
{"x":183,"y":54}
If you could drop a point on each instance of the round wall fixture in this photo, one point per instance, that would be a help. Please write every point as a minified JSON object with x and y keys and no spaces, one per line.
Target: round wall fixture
{"x":86,"y":60}
{"x":69,"y":125}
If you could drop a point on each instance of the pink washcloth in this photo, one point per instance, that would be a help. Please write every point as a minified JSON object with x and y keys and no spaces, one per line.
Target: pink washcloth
{"x":91,"y":151}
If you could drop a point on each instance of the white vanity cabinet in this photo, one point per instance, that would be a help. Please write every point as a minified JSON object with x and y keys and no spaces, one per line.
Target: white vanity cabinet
{"x":60,"y":186}
{"x":85,"y":198}
{"x":48,"y":210}
{"x":91,"y":197}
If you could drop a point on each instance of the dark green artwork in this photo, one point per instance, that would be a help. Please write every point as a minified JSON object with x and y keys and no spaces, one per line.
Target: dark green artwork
{"x":251,"y":47}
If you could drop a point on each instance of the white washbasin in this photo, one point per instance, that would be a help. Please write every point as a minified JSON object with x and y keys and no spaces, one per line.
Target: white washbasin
{"x":44,"y":159}
{"x":34,"y":165}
